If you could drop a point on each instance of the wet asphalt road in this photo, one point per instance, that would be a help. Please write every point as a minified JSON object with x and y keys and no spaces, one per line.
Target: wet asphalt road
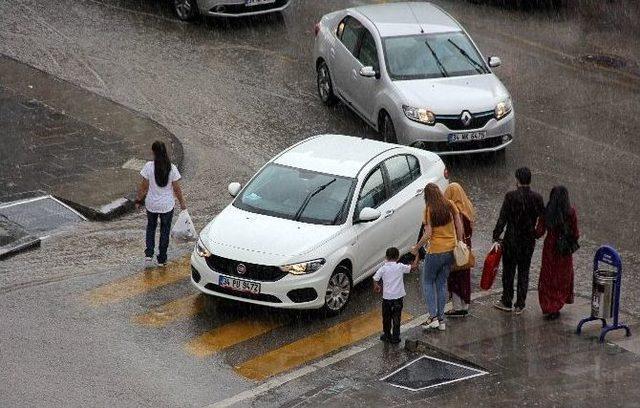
{"x":235,"y":93}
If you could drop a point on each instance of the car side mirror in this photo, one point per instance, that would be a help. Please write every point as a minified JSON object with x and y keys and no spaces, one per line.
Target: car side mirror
{"x":368,"y":214}
{"x":234,"y":188}
{"x":494,"y":62}
{"x":369,"y":72}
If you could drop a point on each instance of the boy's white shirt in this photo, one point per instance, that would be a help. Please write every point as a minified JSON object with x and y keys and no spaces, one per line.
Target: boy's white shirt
{"x":392,"y":275}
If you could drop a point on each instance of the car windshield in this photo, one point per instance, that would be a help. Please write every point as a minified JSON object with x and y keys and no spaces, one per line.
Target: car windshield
{"x":297,"y":194}
{"x":432,"y":56}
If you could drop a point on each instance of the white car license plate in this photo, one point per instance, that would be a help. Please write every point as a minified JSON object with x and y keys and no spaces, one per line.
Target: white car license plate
{"x":250,"y":3}
{"x":238,"y":284}
{"x":466,"y":137}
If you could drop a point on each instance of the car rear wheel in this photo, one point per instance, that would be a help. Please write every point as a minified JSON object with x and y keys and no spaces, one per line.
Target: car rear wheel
{"x":338,"y":291}
{"x":325,"y":86}
{"x":387,"y":130}
{"x":185,"y":10}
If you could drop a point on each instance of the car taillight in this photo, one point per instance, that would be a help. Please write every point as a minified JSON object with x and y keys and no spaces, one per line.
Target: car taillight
{"x":446,"y":173}
{"x":316,"y":29}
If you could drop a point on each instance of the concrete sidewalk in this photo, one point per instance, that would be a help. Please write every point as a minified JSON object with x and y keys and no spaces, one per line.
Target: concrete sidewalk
{"x":66,"y":141}
{"x":529,"y":362}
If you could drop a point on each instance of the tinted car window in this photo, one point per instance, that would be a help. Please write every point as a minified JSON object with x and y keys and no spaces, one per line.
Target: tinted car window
{"x":368,"y":55}
{"x":297,"y":194}
{"x":373,"y":192}
{"x":350,"y":33}
{"x":414,"y":165}
{"x":400,"y":172}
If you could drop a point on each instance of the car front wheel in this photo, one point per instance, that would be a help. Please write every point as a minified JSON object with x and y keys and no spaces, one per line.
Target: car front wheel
{"x":185,"y":10}
{"x":387,"y":129}
{"x":338,"y":291}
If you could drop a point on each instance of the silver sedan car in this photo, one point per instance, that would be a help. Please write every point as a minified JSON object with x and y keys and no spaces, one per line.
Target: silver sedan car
{"x":413,"y":73}
{"x":190,"y":9}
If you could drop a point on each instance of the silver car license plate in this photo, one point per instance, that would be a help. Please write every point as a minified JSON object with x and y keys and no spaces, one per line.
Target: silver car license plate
{"x":250,"y":3}
{"x":466,"y":137}
{"x":238,"y":284}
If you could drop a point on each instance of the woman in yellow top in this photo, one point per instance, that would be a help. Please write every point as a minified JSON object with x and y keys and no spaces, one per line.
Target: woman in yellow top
{"x":459,"y":281}
{"x":441,"y":225}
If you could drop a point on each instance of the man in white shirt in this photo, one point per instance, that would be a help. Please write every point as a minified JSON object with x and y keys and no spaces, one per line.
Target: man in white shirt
{"x":392,"y":275}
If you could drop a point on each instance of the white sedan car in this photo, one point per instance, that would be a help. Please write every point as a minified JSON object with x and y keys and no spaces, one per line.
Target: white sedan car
{"x":314,"y":221}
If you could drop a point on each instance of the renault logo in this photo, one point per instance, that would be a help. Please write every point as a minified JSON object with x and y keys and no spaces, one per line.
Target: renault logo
{"x":241,"y":269}
{"x":465,"y":118}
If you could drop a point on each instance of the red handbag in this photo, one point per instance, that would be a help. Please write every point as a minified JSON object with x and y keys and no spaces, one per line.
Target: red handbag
{"x":490,"y":269}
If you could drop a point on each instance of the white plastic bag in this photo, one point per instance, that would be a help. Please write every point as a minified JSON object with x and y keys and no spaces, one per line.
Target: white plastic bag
{"x":184,"y":230}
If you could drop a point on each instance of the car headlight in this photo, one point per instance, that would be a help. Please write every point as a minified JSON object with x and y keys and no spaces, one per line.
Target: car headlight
{"x":303,"y":267}
{"x":202,"y":250}
{"x":419,"y":115}
{"x":502,"y":109}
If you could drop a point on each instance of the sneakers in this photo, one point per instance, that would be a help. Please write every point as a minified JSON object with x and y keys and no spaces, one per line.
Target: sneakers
{"x":148,"y":262}
{"x":387,"y":339}
{"x":441,"y":326}
{"x":431,"y":323}
{"x":501,"y":306}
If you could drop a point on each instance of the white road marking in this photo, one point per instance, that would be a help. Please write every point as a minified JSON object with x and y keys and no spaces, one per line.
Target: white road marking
{"x":325,"y":362}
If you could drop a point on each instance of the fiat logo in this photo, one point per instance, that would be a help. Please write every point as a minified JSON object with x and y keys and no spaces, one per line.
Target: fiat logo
{"x":241,"y":269}
{"x":465,"y":118}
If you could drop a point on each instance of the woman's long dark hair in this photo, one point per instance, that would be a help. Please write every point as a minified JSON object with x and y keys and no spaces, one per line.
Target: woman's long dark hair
{"x":558,"y":208}
{"x":161,"y":162}
{"x":439,"y":208}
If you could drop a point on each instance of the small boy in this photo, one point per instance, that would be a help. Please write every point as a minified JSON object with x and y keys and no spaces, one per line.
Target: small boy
{"x":392,"y":275}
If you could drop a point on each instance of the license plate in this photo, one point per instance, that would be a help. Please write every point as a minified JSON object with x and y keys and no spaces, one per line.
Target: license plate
{"x":466,"y":137}
{"x":250,"y":3}
{"x":238,"y":284}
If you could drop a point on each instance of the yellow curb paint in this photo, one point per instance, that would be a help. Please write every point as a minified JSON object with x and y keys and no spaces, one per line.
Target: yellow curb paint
{"x":312,"y":347}
{"x":140,"y":283}
{"x":228,"y":335}
{"x":181,"y":308}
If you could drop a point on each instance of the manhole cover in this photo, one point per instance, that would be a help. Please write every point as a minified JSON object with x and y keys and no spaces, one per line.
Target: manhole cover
{"x":41,"y":215}
{"x":428,"y":372}
{"x":609,"y":61}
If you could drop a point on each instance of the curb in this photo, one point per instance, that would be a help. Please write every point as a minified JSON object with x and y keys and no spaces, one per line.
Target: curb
{"x":120,"y":206}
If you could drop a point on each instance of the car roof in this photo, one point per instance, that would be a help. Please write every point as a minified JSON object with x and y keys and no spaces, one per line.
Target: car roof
{"x":334,"y":154}
{"x":395,"y":19}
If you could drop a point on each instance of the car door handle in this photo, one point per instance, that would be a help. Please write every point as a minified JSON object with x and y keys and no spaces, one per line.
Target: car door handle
{"x":388,"y":213}
{"x":419,"y":191}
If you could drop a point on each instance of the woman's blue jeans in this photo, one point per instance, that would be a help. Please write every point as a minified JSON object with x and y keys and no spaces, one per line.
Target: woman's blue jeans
{"x":165,"y":228}
{"x":434,"y":282}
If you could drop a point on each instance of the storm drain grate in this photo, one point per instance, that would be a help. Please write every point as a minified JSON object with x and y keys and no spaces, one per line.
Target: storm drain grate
{"x":428,"y":372}
{"x":40,"y":215}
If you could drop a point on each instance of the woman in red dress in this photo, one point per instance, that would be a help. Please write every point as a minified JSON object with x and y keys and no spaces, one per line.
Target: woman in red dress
{"x":459,"y":280}
{"x":560,"y":223}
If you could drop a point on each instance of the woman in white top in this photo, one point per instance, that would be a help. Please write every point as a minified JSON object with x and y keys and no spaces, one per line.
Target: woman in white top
{"x":158,"y":190}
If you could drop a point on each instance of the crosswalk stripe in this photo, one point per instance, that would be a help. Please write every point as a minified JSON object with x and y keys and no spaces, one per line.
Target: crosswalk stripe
{"x":312,"y":347}
{"x":139,"y":283}
{"x":228,"y":335}
{"x":169,"y":312}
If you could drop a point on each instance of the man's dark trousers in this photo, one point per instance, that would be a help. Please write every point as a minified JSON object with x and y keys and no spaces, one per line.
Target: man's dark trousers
{"x":516,"y":258}
{"x":391,"y":312}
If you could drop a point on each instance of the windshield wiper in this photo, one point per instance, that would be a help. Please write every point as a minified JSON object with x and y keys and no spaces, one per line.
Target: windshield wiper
{"x":309,"y":197}
{"x":478,"y":67}
{"x":440,"y":66}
